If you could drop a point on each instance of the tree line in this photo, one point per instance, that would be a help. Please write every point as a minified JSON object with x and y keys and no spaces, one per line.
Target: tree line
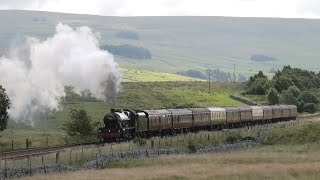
{"x":288,"y":86}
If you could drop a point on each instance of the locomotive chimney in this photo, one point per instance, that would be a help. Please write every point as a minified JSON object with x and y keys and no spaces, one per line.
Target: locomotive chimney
{"x":113,"y":110}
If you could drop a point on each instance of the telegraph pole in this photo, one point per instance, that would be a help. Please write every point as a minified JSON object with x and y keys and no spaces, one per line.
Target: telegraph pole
{"x":234,"y":72}
{"x":209,"y":83}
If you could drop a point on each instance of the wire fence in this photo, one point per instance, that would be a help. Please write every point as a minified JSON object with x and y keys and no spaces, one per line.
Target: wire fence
{"x":96,"y":157}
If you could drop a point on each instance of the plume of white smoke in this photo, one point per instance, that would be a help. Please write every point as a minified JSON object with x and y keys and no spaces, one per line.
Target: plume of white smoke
{"x":35,"y":73}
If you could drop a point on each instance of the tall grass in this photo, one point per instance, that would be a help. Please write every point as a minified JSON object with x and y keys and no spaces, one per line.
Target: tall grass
{"x":261,"y":163}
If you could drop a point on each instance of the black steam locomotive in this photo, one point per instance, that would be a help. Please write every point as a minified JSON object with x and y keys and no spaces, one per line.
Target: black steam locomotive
{"x":126,"y":123}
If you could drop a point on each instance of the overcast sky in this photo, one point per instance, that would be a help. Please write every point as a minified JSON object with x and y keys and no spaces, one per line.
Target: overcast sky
{"x":241,"y":8}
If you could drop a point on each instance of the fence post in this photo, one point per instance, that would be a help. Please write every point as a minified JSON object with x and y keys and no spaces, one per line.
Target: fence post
{"x":57,"y":157}
{"x":27,"y":143}
{"x":97,"y":163}
{"x":58,"y":160}
{"x":152,"y":144}
{"x":121,"y":151}
{"x":111,"y":149}
{"x":30,"y":166}
{"x":45,"y":168}
{"x":5,"y":167}
{"x":47,"y":141}
{"x":70,"y":156}
{"x":92,"y":153}
{"x":177,"y":140}
{"x":42,"y":163}
{"x":12,"y":144}
{"x":166,"y":144}
{"x":81,"y":152}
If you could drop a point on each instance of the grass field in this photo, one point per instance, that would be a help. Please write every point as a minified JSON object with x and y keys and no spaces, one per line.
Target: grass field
{"x":270,"y":162}
{"x":139,"y":75}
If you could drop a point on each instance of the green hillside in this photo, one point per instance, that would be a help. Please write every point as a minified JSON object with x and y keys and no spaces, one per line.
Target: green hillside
{"x":183,"y":43}
{"x":139,"y":75}
{"x":149,"y":95}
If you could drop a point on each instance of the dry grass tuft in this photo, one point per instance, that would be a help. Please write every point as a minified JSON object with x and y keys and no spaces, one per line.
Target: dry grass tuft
{"x":272,"y":162}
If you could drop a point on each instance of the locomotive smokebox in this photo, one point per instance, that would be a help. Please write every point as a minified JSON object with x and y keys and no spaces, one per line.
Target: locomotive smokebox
{"x":112,"y":110}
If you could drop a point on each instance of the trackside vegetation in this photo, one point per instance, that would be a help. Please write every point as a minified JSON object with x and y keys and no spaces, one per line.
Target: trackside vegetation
{"x":4,"y":106}
{"x":290,"y":158}
{"x":288,"y":86}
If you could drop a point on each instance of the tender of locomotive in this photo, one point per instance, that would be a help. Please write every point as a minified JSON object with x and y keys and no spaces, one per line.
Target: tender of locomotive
{"x":126,"y":123}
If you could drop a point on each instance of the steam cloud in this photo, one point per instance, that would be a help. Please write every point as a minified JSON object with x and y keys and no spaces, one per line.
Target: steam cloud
{"x":35,"y":73}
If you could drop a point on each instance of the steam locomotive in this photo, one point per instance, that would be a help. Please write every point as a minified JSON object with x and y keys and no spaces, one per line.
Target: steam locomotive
{"x":127,"y":123}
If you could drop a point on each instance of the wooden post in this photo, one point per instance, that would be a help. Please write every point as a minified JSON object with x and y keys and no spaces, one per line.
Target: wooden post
{"x":58,"y":160}
{"x":177,"y":140}
{"x":42,"y":161}
{"x":111,"y":149}
{"x":152,"y":144}
{"x":27,"y":143}
{"x":97,"y":163}
{"x":5,"y":167}
{"x":92,"y":153}
{"x":121,"y":151}
{"x":166,"y":144}
{"x":47,"y":141}
{"x":70,"y":156}
{"x":45,"y":168}
{"x":30,"y":167}
{"x":81,"y":152}
{"x":57,"y":157}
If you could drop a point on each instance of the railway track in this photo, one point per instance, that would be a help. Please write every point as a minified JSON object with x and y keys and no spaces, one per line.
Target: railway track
{"x":23,"y":153}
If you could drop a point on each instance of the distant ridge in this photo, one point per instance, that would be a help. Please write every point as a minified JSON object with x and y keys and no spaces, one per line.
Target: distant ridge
{"x":183,"y":43}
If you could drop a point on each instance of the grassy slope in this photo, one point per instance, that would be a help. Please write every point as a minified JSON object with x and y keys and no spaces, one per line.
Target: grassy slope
{"x":180,"y":43}
{"x":135,"y":95}
{"x":156,"y":95}
{"x":139,"y":75}
{"x":290,"y":158}
{"x":271,"y":162}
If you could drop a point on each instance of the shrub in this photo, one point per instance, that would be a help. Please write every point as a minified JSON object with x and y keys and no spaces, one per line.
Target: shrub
{"x":233,"y":137}
{"x":140,"y":141}
{"x":79,"y":124}
{"x":310,"y":107}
